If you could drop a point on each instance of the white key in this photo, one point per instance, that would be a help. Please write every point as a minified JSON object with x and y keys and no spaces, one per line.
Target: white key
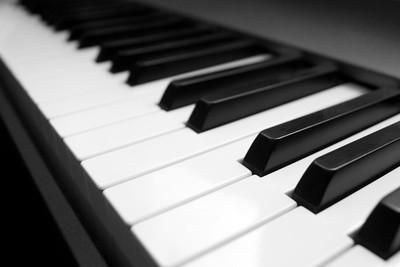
{"x":135,"y":103}
{"x":359,"y":256}
{"x":50,"y":80}
{"x":54,"y":92}
{"x":8,"y":22}
{"x":182,"y":233}
{"x":117,"y":135}
{"x":294,"y":239}
{"x":135,"y":160}
{"x":151,"y":194}
{"x":102,"y":98}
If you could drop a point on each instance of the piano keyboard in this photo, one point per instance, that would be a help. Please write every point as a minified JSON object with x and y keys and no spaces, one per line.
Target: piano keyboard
{"x":189,"y":144}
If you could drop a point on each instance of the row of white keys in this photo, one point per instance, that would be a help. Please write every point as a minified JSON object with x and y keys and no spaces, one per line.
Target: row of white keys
{"x":99,"y":116}
{"x":294,"y":239}
{"x":360,"y":256}
{"x":309,"y":239}
{"x":169,"y":224}
{"x":138,"y":159}
{"x":129,"y":132}
{"x":245,"y":202}
{"x":51,"y":75}
{"x":151,"y":194}
{"x":65,"y":74}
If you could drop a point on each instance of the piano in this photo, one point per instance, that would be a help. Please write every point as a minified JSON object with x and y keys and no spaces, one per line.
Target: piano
{"x":162,"y":137}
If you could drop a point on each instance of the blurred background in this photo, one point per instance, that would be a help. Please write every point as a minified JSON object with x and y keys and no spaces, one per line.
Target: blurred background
{"x":362,"y":32}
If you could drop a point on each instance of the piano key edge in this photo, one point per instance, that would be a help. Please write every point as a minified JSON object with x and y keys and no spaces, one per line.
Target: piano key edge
{"x":111,"y":239}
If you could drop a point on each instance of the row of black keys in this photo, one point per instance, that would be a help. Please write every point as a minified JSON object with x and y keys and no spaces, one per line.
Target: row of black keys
{"x":254,"y":88}
{"x":129,"y":35}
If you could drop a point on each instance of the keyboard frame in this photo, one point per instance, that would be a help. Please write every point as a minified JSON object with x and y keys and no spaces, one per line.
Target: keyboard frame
{"x":103,"y":239}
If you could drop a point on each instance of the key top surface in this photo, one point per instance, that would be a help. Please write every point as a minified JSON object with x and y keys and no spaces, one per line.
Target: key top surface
{"x":341,"y":172}
{"x":381,"y":231}
{"x":220,"y":108}
{"x":187,"y":91}
{"x":126,"y":58}
{"x":211,"y":220}
{"x":280,"y":145}
{"x":109,"y":50}
{"x":152,"y":69}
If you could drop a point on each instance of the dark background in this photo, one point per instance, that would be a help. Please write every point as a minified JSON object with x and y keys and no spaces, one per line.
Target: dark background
{"x":361,"y":32}
{"x":31,"y":236}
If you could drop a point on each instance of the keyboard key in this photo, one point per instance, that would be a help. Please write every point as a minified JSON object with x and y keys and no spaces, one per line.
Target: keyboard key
{"x":220,"y":108}
{"x":109,"y":50}
{"x":280,"y":145}
{"x":172,"y":186}
{"x":360,"y":256}
{"x":210,"y":221}
{"x":187,"y":91}
{"x":73,"y":19}
{"x":337,"y":174}
{"x":157,"y":68}
{"x":104,"y":139}
{"x":349,"y":214}
{"x":113,"y":33}
{"x":78,"y":31}
{"x":100,"y":116}
{"x":126,"y":58}
{"x":380,"y":233}
{"x":297,"y":238}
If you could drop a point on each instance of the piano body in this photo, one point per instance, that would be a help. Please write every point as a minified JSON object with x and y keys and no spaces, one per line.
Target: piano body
{"x":205,"y":133}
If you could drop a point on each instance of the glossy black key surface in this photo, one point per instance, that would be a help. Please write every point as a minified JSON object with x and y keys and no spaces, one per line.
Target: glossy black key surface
{"x":153,"y":69}
{"x":126,"y":58}
{"x":280,"y":145}
{"x":74,"y":19}
{"x":381,"y":231}
{"x":224,"y":107}
{"x":187,"y":91}
{"x":78,"y":31}
{"x":110,"y":49}
{"x":115,"y":33}
{"x":343,"y":171}
{"x":68,"y":11}
{"x":58,"y":12}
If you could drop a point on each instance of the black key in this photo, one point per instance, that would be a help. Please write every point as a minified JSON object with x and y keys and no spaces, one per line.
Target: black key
{"x":153,"y":69}
{"x":187,"y":91}
{"x":54,"y":12}
{"x":72,"y":20}
{"x":285,"y":143}
{"x":78,"y":31}
{"x":110,"y":49}
{"x":114,"y":33}
{"x":126,"y":58}
{"x":381,"y":231}
{"x":224,"y":107}
{"x":343,"y":171}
